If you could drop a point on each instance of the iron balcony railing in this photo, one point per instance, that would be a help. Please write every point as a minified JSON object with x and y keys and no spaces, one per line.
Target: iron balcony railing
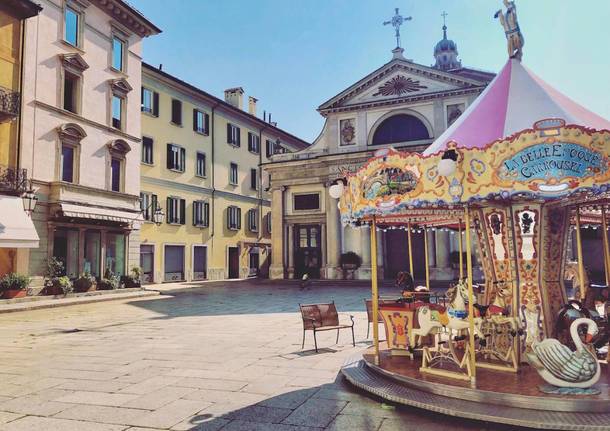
{"x":13,"y":180}
{"x":9,"y":104}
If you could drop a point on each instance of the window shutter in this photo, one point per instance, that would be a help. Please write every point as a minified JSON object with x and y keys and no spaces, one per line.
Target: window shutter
{"x":195,"y":120}
{"x":206,"y":214}
{"x":170,"y":211}
{"x":229,"y":139}
{"x":153,"y":204}
{"x":182,"y":158}
{"x":194,"y":213}
{"x":249,"y":141}
{"x":206,"y":120}
{"x":170,"y":164}
{"x":229,"y":218}
{"x":142,"y":99}
{"x":238,"y":218}
{"x":182,"y":211}
{"x":238,"y":136}
{"x":155,"y":104}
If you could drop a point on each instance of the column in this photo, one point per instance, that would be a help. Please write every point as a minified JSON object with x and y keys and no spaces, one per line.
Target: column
{"x":276,"y":270}
{"x":364,"y":273}
{"x":333,"y":238}
{"x":290,"y":248}
{"x":442,"y":270}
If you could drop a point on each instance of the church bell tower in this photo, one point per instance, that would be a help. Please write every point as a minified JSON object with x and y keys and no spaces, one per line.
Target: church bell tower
{"x":445,"y":51}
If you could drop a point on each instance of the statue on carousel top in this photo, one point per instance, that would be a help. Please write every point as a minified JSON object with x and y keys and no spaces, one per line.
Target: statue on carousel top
{"x":512,"y":31}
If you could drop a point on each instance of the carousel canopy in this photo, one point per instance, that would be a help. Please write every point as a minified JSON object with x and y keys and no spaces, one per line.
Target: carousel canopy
{"x":511,"y":103}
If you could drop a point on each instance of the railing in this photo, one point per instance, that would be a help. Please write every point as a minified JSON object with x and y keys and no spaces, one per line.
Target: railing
{"x":13,"y":180}
{"x":9,"y":104}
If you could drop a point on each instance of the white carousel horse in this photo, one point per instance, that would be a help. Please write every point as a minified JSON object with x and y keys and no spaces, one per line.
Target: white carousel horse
{"x":560,"y":366}
{"x":453,"y":318}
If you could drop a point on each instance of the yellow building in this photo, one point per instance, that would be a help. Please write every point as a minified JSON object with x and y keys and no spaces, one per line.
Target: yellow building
{"x":201,"y":159}
{"x":17,"y":234}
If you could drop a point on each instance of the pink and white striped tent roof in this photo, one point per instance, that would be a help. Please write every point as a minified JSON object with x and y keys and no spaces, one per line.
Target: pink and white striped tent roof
{"x":511,"y":103}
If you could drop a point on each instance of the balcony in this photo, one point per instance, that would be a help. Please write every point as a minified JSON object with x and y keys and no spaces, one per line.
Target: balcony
{"x":9,"y":104}
{"x":13,"y":181}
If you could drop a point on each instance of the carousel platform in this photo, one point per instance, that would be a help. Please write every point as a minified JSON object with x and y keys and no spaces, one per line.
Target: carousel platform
{"x":499,"y":397}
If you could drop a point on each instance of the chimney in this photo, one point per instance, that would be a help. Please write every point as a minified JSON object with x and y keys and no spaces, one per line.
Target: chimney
{"x":235,"y":96}
{"x":252,"y":105}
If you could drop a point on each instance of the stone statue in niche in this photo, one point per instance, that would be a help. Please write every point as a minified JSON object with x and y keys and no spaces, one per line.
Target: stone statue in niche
{"x":454,"y":112}
{"x":348,"y":132}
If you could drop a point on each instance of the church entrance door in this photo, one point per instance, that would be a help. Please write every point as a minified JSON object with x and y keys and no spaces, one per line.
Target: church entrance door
{"x":307,"y":251}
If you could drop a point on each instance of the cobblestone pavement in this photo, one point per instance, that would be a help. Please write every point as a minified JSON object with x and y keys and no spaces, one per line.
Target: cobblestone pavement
{"x":225,"y":356}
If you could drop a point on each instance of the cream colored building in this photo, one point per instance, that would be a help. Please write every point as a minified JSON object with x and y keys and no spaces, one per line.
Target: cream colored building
{"x":200,"y":165}
{"x":81,"y":132}
{"x":402,"y":104}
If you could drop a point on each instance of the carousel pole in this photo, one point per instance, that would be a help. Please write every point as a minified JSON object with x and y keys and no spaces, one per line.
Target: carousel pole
{"x":581,"y":264}
{"x":460,"y":249}
{"x":426,"y":259}
{"x":471,"y":358}
{"x":606,"y":247}
{"x":375,"y":289}
{"x":410,"y":250}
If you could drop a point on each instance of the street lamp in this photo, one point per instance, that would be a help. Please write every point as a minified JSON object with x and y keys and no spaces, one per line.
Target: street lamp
{"x":29,"y":200}
{"x":158,"y":216}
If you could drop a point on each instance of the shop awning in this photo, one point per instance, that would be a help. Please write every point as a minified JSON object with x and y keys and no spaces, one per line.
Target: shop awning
{"x":97,"y":213}
{"x":16,"y":227}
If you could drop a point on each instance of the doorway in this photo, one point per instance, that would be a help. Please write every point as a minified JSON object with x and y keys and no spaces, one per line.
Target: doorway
{"x":174,"y":263}
{"x":200,"y":262}
{"x":147,"y":263}
{"x":233,"y":262}
{"x":307,"y":251}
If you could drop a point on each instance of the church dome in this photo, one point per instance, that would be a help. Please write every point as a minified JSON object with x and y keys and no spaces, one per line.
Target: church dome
{"x":446,"y":53}
{"x":445,"y":44}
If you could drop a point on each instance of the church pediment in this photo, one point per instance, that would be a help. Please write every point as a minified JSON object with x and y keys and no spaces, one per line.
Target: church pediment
{"x":398,"y":80}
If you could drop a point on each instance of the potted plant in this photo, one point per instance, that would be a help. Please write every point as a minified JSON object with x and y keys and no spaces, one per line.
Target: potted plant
{"x":54,"y":282}
{"x":84,"y":283}
{"x":14,"y":285}
{"x":109,"y":281}
{"x":349,"y":263}
{"x":133,"y":279}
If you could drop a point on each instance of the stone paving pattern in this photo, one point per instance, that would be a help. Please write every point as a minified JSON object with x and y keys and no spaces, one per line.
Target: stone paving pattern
{"x":226,"y":356}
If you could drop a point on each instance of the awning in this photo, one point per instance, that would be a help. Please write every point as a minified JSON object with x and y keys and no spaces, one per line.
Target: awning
{"x":16,"y":227}
{"x":97,"y":213}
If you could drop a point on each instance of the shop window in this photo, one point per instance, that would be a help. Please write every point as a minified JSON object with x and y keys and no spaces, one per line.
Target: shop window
{"x":65,"y":248}
{"x":115,"y":253}
{"x":306,"y":202}
{"x":92,"y":253}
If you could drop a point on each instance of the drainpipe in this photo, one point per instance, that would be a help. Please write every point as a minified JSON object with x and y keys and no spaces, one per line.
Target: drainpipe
{"x":213,"y":173}
{"x":260,"y":187}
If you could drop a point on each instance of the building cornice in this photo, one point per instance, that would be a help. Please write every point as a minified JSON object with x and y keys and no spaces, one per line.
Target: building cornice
{"x":87,"y":121}
{"x":207,"y":98}
{"x":128,"y":16}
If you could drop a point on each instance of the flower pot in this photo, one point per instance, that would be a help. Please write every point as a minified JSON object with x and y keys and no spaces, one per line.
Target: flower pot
{"x":53,"y":290}
{"x":102,"y":285}
{"x":83,"y":286}
{"x":14,"y":293}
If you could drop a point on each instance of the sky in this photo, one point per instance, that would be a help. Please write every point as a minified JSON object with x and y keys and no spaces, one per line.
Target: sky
{"x":293,"y":55}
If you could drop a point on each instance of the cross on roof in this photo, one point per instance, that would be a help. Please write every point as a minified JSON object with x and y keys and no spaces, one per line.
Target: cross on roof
{"x":396,"y":21}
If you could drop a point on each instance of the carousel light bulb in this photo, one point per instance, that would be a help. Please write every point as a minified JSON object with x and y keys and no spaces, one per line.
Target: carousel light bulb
{"x":446,"y":167}
{"x":336,"y":190}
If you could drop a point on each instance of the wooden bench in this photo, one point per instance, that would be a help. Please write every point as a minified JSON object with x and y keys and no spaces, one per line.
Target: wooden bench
{"x":322,"y":317}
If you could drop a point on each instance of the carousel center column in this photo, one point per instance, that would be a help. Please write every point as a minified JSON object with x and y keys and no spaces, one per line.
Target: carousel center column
{"x":442,"y":269}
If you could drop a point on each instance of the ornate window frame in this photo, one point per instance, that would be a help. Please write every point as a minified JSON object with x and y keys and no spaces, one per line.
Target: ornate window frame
{"x":70,"y":134}
{"x":117,"y":149}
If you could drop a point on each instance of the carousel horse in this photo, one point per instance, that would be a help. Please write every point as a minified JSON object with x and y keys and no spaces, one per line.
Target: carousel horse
{"x":431,"y":318}
{"x":497,"y":311}
{"x":559,"y":366}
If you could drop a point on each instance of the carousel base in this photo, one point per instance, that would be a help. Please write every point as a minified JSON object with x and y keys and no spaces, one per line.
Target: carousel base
{"x":497,"y":396}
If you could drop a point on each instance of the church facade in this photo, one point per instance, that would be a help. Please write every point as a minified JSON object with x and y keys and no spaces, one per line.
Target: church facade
{"x":403,"y":105}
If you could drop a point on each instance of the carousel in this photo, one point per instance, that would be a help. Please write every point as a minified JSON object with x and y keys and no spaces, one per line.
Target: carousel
{"x":516,"y":177}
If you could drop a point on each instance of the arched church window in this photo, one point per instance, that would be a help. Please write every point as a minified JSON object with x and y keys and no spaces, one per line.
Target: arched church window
{"x":400,"y":128}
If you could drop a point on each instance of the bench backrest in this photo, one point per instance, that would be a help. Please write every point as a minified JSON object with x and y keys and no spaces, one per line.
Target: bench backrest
{"x":323,"y":314}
